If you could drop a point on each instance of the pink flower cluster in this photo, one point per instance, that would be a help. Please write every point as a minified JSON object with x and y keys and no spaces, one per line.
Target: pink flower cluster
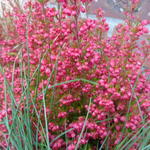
{"x":67,"y":47}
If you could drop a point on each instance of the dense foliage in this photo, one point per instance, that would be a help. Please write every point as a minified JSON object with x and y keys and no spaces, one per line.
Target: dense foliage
{"x":73,"y":81}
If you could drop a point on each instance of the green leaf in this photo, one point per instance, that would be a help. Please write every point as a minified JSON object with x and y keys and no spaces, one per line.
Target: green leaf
{"x":41,"y":1}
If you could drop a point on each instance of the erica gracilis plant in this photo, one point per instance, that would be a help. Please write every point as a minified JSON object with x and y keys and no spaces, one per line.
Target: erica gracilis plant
{"x":74,"y":85}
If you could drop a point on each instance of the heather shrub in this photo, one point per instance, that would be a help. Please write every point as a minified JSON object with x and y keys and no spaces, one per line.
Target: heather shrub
{"x":65,"y":85}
